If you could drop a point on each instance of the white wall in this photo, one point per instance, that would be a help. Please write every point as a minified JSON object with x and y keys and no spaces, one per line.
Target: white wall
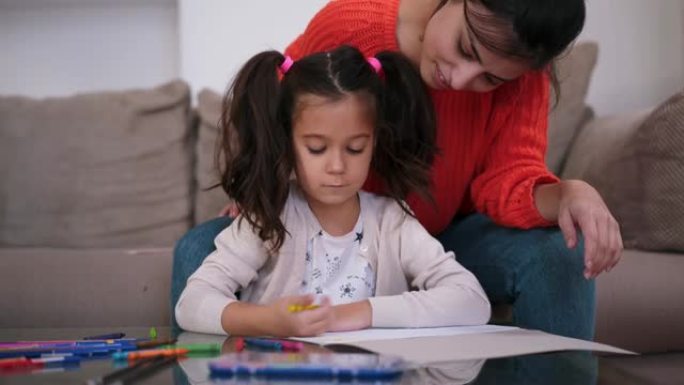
{"x":53,"y":47}
{"x":218,"y":36}
{"x":641,"y":58}
{"x":641,"y":44}
{"x":58,"y":47}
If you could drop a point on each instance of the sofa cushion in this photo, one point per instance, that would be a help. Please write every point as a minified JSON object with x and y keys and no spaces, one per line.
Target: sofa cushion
{"x":110,"y":169}
{"x":208,"y":201}
{"x":641,"y":177}
{"x":600,"y":141}
{"x":48,"y":287}
{"x":651,"y":206}
{"x":637,"y":303}
{"x":571,"y":111}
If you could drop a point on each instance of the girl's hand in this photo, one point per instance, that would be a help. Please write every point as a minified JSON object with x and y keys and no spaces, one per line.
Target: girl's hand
{"x":352,"y":316}
{"x":581,"y":205}
{"x":304,"y":323}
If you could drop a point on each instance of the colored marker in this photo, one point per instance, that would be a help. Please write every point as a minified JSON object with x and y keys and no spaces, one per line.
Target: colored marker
{"x":153,"y":333}
{"x":83,"y":351}
{"x":153,"y":353}
{"x":239,"y":344}
{"x":298,"y":308}
{"x":23,"y":362}
{"x":79,"y":343}
{"x":274,"y":344}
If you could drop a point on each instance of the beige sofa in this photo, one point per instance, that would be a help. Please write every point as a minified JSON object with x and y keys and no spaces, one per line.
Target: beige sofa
{"x":96,"y":188}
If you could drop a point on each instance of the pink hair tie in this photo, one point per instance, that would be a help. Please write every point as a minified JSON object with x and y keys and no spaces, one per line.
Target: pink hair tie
{"x":375,"y":63}
{"x":285,"y":66}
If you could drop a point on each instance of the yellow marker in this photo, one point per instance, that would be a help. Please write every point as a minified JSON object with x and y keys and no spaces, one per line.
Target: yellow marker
{"x":298,"y":308}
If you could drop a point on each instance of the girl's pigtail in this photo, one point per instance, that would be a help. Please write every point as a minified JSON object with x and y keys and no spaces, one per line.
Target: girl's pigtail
{"x":257,"y":170}
{"x":405,"y":145}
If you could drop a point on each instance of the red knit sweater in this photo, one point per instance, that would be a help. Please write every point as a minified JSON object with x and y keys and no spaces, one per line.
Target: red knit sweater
{"x":492,"y":144}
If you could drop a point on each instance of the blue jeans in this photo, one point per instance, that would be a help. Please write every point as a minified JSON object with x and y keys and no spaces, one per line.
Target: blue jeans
{"x":530,"y":269}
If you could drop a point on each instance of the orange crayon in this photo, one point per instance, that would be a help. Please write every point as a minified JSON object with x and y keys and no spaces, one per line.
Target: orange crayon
{"x":152,"y":353}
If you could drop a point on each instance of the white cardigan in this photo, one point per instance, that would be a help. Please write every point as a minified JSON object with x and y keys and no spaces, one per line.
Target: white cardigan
{"x":418,"y":284}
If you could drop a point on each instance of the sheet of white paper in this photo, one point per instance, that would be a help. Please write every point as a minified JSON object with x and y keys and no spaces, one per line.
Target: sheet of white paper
{"x":433,"y":350}
{"x":401,"y":333}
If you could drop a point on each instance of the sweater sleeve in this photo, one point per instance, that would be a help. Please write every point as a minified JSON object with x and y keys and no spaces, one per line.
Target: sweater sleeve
{"x":446,"y":294}
{"x":364,"y":24}
{"x":514,"y":164}
{"x":238,"y":257}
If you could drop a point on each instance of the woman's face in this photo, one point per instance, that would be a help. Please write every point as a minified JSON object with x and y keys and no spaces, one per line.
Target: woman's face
{"x":452,"y":58}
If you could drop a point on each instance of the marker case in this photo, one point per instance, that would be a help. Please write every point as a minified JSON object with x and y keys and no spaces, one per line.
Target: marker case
{"x":339,"y":366}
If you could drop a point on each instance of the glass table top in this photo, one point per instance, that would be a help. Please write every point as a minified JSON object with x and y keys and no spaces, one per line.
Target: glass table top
{"x":570,"y":367}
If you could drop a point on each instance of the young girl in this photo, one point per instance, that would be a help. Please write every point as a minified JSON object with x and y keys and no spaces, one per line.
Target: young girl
{"x":329,"y":118}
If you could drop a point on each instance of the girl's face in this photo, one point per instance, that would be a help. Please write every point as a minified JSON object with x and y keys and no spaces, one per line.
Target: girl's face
{"x":333,"y":145}
{"x":452,"y":58}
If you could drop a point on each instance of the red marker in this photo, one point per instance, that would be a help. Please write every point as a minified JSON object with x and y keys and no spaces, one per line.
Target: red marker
{"x":14,"y":363}
{"x":239,"y":344}
{"x":23,"y":362}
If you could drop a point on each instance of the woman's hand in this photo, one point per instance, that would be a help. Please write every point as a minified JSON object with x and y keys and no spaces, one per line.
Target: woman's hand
{"x":304,"y":323}
{"x":575,"y":204}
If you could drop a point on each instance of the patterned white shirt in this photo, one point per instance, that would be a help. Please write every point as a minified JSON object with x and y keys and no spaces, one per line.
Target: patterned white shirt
{"x":335,"y":268}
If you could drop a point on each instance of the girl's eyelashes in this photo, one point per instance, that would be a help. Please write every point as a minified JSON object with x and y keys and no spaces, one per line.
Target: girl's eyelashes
{"x":316,"y":151}
{"x":355,"y":151}
{"x":320,"y":150}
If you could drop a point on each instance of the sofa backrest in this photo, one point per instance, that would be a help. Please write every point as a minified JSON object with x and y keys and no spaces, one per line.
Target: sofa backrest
{"x":110,"y":169}
{"x":569,"y":112}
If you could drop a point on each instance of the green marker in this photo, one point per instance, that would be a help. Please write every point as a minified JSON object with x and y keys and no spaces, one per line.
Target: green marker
{"x":197,"y":350}
{"x":153,"y":333}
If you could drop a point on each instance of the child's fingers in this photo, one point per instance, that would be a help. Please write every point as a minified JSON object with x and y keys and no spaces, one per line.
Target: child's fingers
{"x":319,"y":328}
{"x":322,"y":312}
{"x":300,"y":300}
{"x":325,"y":301}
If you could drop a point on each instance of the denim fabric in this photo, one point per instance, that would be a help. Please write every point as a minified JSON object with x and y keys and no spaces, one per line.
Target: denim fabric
{"x":531,"y":269}
{"x":189,"y":253}
{"x":562,"y":368}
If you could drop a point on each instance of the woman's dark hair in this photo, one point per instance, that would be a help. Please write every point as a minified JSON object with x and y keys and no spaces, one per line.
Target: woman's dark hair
{"x":541,"y":29}
{"x":256,"y":127}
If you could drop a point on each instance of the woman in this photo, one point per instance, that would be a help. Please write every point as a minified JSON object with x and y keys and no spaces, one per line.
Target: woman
{"x":487,"y":63}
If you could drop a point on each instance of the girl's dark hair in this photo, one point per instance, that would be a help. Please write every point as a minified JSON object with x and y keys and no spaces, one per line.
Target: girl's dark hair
{"x":257,"y":117}
{"x":540,"y":29}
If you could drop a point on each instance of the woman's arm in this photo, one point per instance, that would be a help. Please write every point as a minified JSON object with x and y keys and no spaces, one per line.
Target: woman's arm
{"x":516,"y":189}
{"x":513,"y":164}
{"x":573,"y":203}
